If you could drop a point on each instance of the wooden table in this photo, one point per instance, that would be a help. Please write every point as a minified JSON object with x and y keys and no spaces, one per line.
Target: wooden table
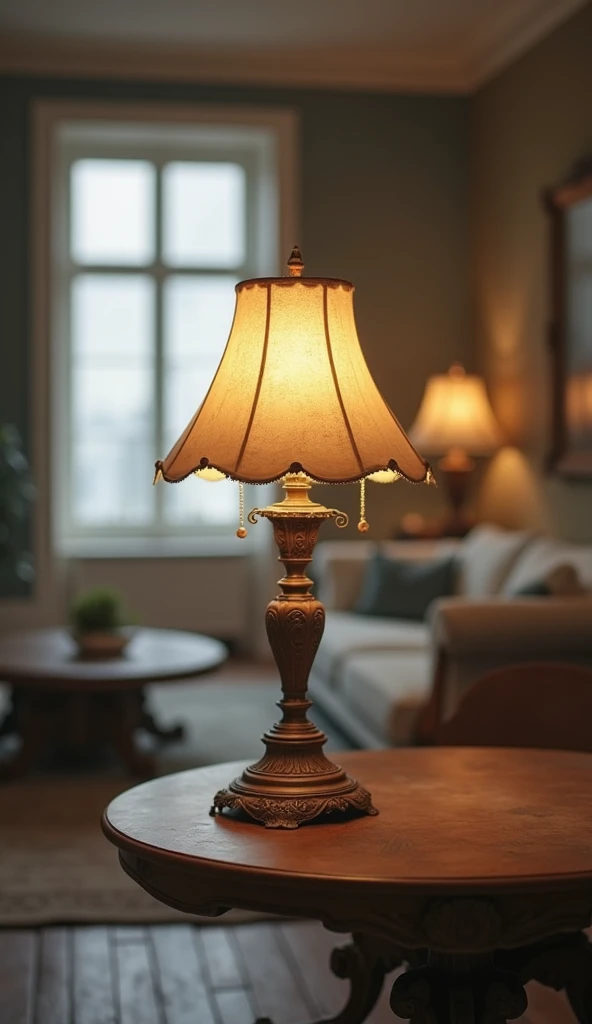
{"x":477,"y":873}
{"x":77,"y":702}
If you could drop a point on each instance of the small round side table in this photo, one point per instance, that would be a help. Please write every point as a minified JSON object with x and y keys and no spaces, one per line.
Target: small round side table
{"x":61,"y":697}
{"x":477,"y":873}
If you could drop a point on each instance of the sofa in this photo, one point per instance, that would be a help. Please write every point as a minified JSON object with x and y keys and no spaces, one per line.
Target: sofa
{"x":387,"y":681}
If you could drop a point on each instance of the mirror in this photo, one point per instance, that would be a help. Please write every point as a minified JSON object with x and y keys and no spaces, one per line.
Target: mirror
{"x":570,"y":331}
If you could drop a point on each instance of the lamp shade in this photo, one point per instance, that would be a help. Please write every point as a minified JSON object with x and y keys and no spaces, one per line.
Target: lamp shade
{"x":293,"y":393}
{"x":455,"y":413}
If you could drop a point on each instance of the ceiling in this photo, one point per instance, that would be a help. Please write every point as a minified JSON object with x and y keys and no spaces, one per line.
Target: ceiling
{"x":450,"y":45}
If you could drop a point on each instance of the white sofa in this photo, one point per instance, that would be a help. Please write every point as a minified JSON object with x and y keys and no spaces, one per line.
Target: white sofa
{"x":385,"y":681}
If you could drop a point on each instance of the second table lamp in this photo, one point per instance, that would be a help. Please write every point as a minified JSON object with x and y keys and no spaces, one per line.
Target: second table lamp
{"x":293,"y":400}
{"x":455,"y":420}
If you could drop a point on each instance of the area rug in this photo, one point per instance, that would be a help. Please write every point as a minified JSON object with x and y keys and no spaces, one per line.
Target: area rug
{"x":55,"y":864}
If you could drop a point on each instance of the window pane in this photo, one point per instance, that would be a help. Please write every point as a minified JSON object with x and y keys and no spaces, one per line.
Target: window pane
{"x":113,"y":316}
{"x":204,"y":214}
{"x":111,"y":482}
{"x":198,"y":500}
{"x":112,"y":211}
{"x":112,"y":398}
{"x":198,"y":315}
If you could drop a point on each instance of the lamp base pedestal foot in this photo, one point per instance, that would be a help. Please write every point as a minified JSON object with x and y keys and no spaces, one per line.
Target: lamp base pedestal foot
{"x":278,"y":811}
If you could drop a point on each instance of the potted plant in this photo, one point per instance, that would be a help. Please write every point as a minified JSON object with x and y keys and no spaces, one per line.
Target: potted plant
{"x":99,"y":624}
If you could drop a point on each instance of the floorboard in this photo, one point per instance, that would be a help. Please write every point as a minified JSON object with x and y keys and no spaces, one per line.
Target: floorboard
{"x":234,"y":1007}
{"x":18,"y":967}
{"x":183,"y":974}
{"x":93,"y":982}
{"x":219,"y":951}
{"x":278,"y":992}
{"x":138,"y":986}
{"x":53,"y":1002}
{"x":311,"y":948}
{"x":185,"y":999}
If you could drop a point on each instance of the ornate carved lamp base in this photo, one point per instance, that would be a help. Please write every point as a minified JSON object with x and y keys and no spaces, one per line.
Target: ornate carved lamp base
{"x":283,"y":810}
{"x":294,"y":782}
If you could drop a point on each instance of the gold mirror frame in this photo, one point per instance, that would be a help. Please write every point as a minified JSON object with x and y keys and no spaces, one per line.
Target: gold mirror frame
{"x":570,"y":450}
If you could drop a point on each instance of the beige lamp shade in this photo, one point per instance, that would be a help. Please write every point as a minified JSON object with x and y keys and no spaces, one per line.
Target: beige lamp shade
{"x":455,"y":414}
{"x":293,"y":393}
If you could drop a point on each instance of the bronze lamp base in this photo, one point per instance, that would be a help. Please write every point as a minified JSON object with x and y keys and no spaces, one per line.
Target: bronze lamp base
{"x":278,"y":798}
{"x":294,"y":782}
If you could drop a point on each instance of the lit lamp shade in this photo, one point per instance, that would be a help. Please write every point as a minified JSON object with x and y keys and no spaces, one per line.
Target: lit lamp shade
{"x":293,"y":393}
{"x":455,"y":413}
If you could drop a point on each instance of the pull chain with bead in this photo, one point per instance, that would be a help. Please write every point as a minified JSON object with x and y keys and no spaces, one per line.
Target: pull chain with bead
{"x":363,"y":525}
{"x":241,"y":532}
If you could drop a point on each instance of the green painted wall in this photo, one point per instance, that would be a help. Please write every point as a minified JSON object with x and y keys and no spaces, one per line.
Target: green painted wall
{"x":528,"y":128}
{"x":384,"y":202}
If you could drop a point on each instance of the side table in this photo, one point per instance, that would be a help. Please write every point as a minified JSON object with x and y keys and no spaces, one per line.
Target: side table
{"x":61,"y":697}
{"x":477,"y":873}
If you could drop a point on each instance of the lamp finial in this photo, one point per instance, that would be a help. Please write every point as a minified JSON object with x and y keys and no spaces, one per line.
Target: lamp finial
{"x":295,"y":263}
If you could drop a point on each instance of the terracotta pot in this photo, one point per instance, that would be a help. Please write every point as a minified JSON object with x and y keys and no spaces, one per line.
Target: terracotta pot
{"x":103,"y":643}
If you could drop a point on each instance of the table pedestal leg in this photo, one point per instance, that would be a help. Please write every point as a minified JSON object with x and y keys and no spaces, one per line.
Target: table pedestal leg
{"x":460,"y":989}
{"x":365,"y":961}
{"x":74,"y":722}
{"x":563,"y":963}
{"x":148,"y":722}
{"x":122,"y":721}
{"x":33,"y":728}
{"x":9,"y":723}
{"x":489,"y":989}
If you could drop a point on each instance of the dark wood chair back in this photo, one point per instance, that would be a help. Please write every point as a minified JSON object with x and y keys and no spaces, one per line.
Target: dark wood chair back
{"x":547,"y":705}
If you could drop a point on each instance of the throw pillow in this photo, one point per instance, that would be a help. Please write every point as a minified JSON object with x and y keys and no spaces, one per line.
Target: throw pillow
{"x":560,"y":581}
{"x":486,"y":557}
{"x":404,"y":589}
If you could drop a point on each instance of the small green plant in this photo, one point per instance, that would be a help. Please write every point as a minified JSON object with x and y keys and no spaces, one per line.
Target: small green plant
{"x":97,"y":611}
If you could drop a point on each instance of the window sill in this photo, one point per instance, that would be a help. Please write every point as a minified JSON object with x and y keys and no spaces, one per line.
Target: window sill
{"x":158,"y":547}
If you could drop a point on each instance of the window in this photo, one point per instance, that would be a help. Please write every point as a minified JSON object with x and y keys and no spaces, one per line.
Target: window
{"x":154,"y":225}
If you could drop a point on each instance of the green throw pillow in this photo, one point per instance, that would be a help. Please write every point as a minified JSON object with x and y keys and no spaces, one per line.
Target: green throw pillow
{"x":404,"y":589}
{"x":538,"y":588}
{"x":561,"y":581}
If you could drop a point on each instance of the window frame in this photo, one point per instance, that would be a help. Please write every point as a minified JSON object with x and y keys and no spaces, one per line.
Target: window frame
{"x":54,"y":270}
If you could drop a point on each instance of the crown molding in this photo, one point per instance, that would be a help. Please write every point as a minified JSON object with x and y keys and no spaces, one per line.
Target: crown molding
{"x":368,"y":69}
{"x":514,"y":35}
{"x":319,"y":67}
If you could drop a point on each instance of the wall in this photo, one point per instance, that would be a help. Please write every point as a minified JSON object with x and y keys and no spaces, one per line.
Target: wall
{"x":384,"y":203}
{"x":528,"y":128}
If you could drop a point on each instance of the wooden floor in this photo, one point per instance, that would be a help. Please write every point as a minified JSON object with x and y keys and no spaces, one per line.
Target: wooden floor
{"x":181,"y":974}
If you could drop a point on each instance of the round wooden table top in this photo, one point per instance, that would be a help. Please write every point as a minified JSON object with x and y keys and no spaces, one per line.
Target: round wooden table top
{"x":450,"y":820}
{"x":50,"y":658}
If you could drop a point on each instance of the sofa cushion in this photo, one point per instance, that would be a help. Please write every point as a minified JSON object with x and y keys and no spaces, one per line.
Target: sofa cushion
{"x":404,"y":589}
{"x":338,"y":568}
{"x":347,"y":633}
{"x":562,"y":580}
{"x":385,"y":692}
{"x":543,"y":555}
{"x":486,"y":557}
{"x":339,"y":565}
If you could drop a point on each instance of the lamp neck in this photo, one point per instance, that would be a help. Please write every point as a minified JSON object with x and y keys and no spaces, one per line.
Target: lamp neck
{"x":456,"y":470}
{"x":456,"y":460}
{"x":296,"y":487}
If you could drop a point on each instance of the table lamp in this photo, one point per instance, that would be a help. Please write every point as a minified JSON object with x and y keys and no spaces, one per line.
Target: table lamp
{"x":293,"y":400}
{"x":455,"y":420}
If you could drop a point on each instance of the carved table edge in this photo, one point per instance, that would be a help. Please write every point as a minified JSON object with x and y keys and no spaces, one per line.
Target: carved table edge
{"x":354,"y":885}
{"x":452,"y":924}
